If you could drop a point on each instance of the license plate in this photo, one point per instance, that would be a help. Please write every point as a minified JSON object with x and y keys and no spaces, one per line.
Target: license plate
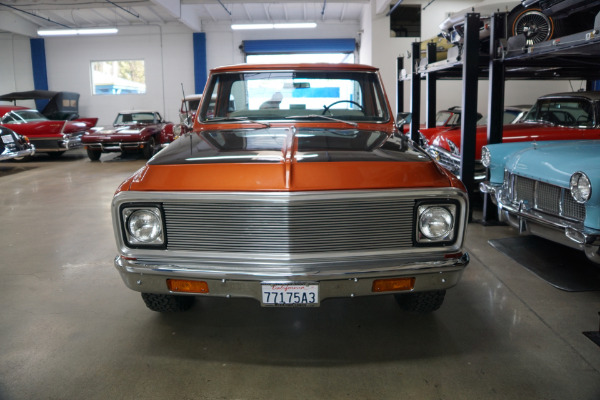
{"x":7,"y":139}
{"x":290,"y":295}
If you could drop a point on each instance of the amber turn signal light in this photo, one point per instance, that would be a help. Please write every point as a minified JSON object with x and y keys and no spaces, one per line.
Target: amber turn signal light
{"x":179,"y":285}
{"x":393,"y":285}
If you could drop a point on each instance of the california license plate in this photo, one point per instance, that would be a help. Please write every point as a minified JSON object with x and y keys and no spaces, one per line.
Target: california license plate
{"x":290,"y":295}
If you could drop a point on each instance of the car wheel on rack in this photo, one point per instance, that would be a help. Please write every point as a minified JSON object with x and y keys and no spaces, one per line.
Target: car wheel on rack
{"x":534,"y":24}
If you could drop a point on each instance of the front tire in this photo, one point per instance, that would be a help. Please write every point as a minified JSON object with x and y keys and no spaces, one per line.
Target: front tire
{"x":55,"y":154}
{"x":148,"y":150}
{"x":167,"y":302}
{"x":94,"y":155}
{"x":421,"y":302}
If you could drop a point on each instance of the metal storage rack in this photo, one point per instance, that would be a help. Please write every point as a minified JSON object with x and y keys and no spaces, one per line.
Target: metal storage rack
{"x":573,"y":57}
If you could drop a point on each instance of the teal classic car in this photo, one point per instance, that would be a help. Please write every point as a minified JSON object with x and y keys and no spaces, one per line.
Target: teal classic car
{"x":548,"y":189}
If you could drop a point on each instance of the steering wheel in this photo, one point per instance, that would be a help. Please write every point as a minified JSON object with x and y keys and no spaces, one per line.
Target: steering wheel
{"x":326,"y":108}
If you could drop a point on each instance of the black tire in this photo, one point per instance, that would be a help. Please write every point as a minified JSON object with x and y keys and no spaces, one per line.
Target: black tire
{"x":537,"y":26}
{"x":94,"y":155}
{"x":55,"y":154}
{"x":167,"y":302}
{"x":421,"y":302}
{"x":148,"y":150}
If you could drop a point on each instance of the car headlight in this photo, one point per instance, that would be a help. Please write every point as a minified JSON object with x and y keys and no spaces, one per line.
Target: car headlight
{"x":486,"y":157}
{"x":453,"y":148}
{"x":581,"y":187}
{"x":143,"y":226}
{"x":436,"y":223}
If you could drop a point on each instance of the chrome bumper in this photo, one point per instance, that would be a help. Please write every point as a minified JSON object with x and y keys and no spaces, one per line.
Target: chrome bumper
{"x":451,"y":162}
{"x":46,"y":145}
{"x":354,"y":278}
{"x":115,"y":146}
{"x":529,"y":221}
{"x":8,"y":155}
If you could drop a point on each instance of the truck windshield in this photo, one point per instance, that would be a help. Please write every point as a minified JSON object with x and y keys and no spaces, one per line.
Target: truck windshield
{"x":283,"y":95}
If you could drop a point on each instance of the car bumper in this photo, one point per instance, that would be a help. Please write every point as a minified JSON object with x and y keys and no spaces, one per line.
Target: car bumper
{"x":529,"y":221}
{"x":349,"y":279}
{"x":47,"y":145}
{"x":451,"y":162}
{"x":8,"y":155}
{"x":115,"y":146}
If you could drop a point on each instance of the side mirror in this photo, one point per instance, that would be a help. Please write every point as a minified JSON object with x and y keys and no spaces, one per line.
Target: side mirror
{"x":403,"y":118}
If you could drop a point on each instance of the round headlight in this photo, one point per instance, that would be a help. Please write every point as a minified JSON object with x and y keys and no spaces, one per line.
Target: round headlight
{"x":144,"y":226}
{"x":486,"y":157}
{"x":453,"y":148}
{"x":581,"y":187}
{"x":436,"y":222}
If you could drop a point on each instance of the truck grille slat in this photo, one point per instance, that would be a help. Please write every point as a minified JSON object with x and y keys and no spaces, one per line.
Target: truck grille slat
{"x":289,"y":227}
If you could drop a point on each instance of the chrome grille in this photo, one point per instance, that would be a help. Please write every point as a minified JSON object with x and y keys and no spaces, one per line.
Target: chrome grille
{"x":289,"y":227}
{"x":547,"y":198}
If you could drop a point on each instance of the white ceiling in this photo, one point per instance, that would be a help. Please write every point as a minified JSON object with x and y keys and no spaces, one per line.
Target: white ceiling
{"x":26,"y":16}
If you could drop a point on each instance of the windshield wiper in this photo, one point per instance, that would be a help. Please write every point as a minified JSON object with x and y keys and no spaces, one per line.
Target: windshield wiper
{"x":241,"y":119}
{"x":322,"y":116}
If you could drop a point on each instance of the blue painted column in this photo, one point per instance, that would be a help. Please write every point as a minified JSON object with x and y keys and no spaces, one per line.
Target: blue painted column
{"x":40,"y":74}
{"x":200,"y":72}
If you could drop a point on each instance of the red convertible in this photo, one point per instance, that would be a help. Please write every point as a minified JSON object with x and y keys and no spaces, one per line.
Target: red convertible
{"x":561,"y":116}
{"x":48,"y":136}
{"x":132,"y":131}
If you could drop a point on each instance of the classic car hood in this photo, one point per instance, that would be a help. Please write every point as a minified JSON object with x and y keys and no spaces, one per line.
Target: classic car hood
{"x":288,"y":159}
{"x":555,"y":161}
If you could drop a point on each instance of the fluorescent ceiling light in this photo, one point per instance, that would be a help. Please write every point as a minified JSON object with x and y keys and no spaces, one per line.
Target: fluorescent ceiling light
{"x":75,"y":32}
{"x":299,"y":25}
{"x":287,"y":25}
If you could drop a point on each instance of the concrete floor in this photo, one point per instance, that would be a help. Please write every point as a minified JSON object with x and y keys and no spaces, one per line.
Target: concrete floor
{"x":70,"y":329}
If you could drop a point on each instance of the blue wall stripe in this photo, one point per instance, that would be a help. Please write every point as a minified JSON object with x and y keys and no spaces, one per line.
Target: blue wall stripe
{"x":40,"y":74}
{"x":200,"y":72}
{"x":300,"y":46}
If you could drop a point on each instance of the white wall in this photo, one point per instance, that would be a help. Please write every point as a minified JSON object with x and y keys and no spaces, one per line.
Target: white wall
{"x":168,"y":58}
{"x":16,"y":72}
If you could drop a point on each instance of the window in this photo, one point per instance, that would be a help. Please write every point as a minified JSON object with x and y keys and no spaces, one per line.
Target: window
{"x":118,"y":77}
{"x":405,"y":21}
{"x":351,"y":96}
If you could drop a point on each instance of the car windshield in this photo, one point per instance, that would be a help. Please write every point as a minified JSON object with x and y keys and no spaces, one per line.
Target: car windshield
{"x":283,"y":95}
{"x":135,"y":118}
{"x":564,"y":112}
{"x":21,"y":116}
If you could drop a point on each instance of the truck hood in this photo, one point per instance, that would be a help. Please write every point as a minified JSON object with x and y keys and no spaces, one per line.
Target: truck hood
{"x":289,"y":159}
{"x":554,"y":162}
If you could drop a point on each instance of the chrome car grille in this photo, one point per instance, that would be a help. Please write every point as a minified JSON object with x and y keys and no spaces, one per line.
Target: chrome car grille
{"x":547,"y":198}
{"x":305,"y":226}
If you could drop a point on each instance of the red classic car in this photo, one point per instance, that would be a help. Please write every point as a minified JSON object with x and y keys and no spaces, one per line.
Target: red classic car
{"x":295,"y":186}
{"x":561,"y":116}
{"x":132,"y":131}
{"x":48,"y":136}
{"x":187,"y":111}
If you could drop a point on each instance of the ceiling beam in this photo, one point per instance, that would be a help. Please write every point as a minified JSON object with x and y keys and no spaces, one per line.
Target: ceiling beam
{"x":11,"y":22}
